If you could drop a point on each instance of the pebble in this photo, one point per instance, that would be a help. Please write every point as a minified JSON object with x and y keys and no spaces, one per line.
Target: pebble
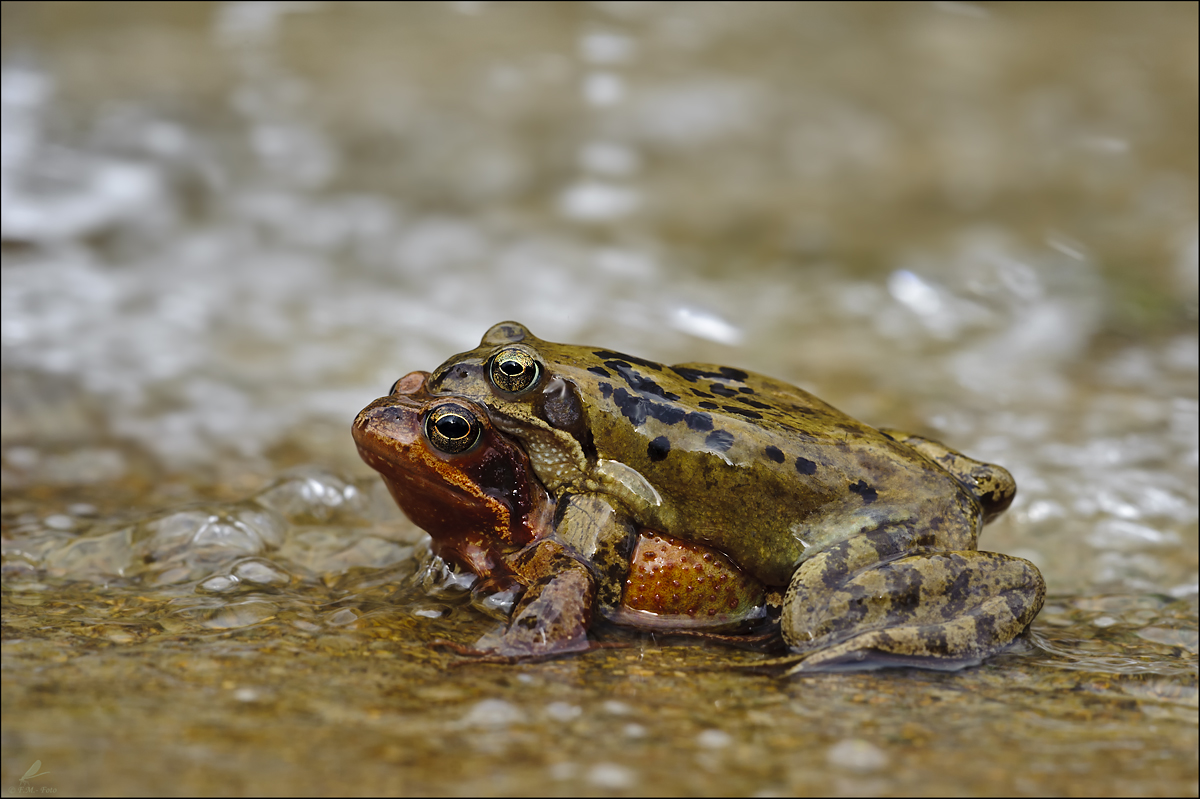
{"x":563,"y":711}
{"x":714,"y":739}
{"x":610,"y":776}
{"x":493,"y":713}
{"x":855,"y":754}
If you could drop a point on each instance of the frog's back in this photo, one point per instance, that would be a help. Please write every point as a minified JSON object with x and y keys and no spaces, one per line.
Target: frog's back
{"x":755,"y":467}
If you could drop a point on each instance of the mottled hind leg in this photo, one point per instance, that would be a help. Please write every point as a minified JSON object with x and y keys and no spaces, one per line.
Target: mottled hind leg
{"x":936,"y":610}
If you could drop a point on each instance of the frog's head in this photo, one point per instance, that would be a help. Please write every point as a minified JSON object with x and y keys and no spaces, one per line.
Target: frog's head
{"x":453,"y":474}
{"x":516,"y":376}
{"x":507,"y":368}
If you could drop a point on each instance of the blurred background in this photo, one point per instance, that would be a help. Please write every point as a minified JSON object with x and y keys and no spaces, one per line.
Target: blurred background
{"x":229,"y":226}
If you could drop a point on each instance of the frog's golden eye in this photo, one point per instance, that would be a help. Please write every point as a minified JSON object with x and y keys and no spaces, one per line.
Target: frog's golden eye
{"x":452,"y":428}
{"x":514,"y":371}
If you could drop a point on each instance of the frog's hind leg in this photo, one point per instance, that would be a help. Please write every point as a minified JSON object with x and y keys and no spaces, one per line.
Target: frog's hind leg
{"x":934,"y":610}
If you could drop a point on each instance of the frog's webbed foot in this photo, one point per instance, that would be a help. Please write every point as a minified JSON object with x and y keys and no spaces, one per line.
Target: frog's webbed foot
{"x":755,"y":642}
{"x":472,"y":655}
{"x":934,"y":610}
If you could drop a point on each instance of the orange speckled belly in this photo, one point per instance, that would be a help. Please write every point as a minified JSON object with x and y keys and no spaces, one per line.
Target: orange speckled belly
{"x":680,"y":584}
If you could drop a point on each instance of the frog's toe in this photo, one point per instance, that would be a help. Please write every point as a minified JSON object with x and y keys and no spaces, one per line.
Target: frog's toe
{"x":471,"y":654}
{"x":941,"y":610}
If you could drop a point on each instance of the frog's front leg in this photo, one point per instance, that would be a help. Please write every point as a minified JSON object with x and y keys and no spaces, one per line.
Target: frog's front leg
{"x":601,"y":535}
{"x":937,"y":610}
{"x":581,"y":565}
{"x":553,"y":614}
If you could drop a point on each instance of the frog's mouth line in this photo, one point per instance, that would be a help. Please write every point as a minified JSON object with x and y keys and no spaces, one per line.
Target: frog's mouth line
{"x":387,"y":465}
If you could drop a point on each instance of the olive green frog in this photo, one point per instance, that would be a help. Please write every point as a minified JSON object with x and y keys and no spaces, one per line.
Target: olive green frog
{"x":871,"y":531}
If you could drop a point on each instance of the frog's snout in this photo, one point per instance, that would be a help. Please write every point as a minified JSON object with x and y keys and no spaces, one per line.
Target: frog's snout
{"x":386,"y":420}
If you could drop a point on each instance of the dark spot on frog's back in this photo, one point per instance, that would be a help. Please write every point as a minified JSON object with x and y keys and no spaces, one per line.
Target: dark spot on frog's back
{"x":742,"y":412}
{"x":599,"y":370}
{"x":699,"y":421}
{"x":632,"y":407}
{"x":659,"y":448}
{"x":668,"y":414}
{"x":605,"y":355}
{"x":639,"y":382}
{"x":865,"y":491}
{"x":719,"y":440}
{"x":691,"y":374}
{"x":730,"y":373}
{"x":805,"y":466}
{"x":775,"y":454}
{"x":721,"y":390}
{"x":709,"y":406}
{"x":637,"y":409}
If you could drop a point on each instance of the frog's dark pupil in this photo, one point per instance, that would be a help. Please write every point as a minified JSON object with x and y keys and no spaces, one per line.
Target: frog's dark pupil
{"x":514,"y":371}
{"x":452,"y":429}
{"x":452,"y":426}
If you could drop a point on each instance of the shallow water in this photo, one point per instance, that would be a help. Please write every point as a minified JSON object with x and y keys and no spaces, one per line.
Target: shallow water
{"x":227,"y":227}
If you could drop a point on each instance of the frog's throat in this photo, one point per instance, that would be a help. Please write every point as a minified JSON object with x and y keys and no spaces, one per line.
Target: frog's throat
{"x":560,"y":463}
{"x":556,"y":456}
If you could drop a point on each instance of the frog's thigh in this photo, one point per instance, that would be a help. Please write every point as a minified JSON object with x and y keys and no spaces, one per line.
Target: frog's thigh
{"x":940,"y":610}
